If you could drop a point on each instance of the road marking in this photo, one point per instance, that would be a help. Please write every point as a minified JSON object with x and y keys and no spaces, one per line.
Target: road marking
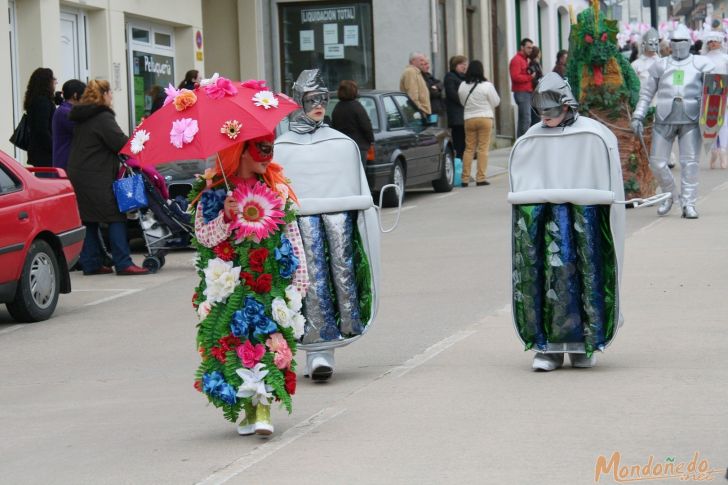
{"x":449,"y":194}
{"x":262,"y":452}
{"x":114,"y":297}
{"x":429,"y":353}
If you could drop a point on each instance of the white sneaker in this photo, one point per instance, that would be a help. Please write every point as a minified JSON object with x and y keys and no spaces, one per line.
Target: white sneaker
{"x":320,"y":365}
{"x":263,"y":428}
{"x":581,"y":361}
{"x":246,"y":429}
{"x":547,"y":362}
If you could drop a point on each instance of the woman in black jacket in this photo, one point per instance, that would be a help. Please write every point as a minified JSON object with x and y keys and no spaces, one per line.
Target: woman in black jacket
{"x":455,"y":121}
{"x":93,"y":165}
{"x":350,"y":118}
{"x":39,"y":105}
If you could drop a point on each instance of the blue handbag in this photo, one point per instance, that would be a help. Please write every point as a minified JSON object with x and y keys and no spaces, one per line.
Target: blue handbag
{"x":129,"y":192}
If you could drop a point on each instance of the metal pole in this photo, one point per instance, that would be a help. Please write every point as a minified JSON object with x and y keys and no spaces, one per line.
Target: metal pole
{"x":653,"y":13}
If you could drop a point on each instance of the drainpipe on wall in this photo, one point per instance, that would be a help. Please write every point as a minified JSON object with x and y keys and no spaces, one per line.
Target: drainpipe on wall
{"x":433,"y":22}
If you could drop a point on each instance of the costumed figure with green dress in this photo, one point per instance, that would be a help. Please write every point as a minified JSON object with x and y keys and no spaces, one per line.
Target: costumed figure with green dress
{"x":568,"y":231}
{"x":253,"y":278}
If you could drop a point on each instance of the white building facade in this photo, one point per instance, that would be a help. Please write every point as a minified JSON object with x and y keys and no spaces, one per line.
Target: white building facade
{"x":132,"y":44}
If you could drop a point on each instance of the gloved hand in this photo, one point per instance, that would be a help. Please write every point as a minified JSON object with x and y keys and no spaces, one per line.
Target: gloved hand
{"x":637,"y":126}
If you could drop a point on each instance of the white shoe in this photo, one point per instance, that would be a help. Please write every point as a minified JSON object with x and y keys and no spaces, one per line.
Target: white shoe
{"x":665,"y":207}
{"x":581,"y":361}
{"x":246,"y":429}
{"x":547,"y":362}
{"x":320,"y":365}
{"x":689,"y":212}
{"x":263,"y":428}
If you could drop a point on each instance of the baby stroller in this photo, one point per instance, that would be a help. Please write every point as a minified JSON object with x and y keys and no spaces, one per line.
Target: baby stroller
{"x":164,"y":223}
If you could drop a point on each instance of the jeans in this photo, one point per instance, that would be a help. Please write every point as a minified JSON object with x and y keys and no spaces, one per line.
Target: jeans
{"x":91,"y":257}
{"x":523,"y":100}
{"x":477,"y":137}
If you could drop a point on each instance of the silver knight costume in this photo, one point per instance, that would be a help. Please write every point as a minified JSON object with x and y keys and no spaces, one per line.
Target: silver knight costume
{"x":338,"y":225}
{"x":713,"y":44}
{"x":677,"y":82}
{"x":650,"y":48}
{"x":568,"y":233}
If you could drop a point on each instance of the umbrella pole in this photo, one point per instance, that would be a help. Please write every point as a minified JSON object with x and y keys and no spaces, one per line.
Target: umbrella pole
{"x":224,"y":178}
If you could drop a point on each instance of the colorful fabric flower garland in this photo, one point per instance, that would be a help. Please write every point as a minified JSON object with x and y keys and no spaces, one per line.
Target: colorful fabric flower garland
{"x":249,"y":310}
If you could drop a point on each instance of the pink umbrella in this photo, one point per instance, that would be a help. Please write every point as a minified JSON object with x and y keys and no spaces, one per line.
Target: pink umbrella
{"x":194,"y":124}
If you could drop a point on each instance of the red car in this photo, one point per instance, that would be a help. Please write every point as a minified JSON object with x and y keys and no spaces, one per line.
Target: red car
{"x":41,"y":236}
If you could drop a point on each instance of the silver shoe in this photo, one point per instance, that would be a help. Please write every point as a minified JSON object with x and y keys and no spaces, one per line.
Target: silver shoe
{"x":547,"y":362}
{"x":665,"y":207}
{"x":581,"y":361}
{"x":689,"y":212}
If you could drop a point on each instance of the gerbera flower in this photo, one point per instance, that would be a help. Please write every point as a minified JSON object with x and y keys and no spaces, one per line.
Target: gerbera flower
{"x":260,"y":212}
{"x":224,"y":251}
{"x":231,"y":128}
{"x":140,"y":138}
{"x":265,"y":99}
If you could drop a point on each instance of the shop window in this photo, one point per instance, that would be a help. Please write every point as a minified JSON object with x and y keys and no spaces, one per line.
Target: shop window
{"x":164,"y":40}
{"x":335,"y":37}
{"x":140,"y":35}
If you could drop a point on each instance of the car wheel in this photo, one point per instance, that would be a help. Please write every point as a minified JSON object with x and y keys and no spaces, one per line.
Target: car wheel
{"x":447,"y":175}
{"x":37,"y":294}
{"x":398,"y":178}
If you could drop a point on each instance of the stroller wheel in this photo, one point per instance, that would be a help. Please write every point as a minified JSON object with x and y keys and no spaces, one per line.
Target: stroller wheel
{"x":152,"y":263}
{"x":161,"y":259}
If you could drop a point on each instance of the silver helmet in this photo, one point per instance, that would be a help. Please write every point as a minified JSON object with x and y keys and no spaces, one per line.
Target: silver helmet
{"x":680,"y":42}
{"x":552,"y":92}
{"x":651,"y":41}
{"x":309,"y":81}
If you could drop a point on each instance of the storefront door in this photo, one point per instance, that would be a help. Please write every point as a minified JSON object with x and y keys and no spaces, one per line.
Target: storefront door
{"x":73,"y":47}
{"x":151,"y":66}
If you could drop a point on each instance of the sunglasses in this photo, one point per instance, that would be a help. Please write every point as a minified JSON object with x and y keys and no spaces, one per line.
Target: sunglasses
{"x":554,"y":112}
{"x":313,"y":100}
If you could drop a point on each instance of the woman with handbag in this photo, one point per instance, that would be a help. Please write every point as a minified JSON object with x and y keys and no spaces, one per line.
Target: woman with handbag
{"x":39,"y":106}
{"x":479,"y":99}
{"x":93,"y":165}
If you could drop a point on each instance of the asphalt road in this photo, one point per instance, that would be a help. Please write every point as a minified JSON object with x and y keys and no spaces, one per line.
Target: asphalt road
{"x":440,"y":390}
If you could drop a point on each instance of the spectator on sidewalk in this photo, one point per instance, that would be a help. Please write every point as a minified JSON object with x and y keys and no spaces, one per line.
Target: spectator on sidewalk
{"x":479,"y":99}
{"x":63,"y":127}
{"x":434,"y":87}
{"x":455,"y":120}
{"x":192,"y":77}
{"x":350,"y":118}
{"x":534,"y":67}
{"x":522,"y":85}
{"x":414,"y":84}
{"x":39,"y":106}
{"x":560,"y":66}
{"x":92,"y":168}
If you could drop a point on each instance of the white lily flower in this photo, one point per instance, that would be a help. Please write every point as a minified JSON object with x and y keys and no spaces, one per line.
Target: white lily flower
{"x":253,"y":385}
{"x":212,"y":80}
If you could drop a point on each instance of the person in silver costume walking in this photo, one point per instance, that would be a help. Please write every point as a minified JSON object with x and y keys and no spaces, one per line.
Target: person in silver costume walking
{"x":338,"y":227}
{"x":677,"y":82}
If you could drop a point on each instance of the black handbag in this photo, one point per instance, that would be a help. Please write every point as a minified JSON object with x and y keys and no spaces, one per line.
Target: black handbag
{"x":21,"y":135}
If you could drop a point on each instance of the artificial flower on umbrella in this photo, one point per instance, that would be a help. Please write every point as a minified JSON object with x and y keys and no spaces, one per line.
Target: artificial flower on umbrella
{"x":197,"y":123}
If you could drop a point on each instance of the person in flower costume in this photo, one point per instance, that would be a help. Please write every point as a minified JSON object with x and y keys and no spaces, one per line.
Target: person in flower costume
{"x":253,"y":278}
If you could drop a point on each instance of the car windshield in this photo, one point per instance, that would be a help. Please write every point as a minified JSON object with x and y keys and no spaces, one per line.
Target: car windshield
{"x":370,"y":106}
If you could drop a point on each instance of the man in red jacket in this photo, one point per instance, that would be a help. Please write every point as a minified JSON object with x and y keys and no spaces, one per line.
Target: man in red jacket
{"x":522,"y":85}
